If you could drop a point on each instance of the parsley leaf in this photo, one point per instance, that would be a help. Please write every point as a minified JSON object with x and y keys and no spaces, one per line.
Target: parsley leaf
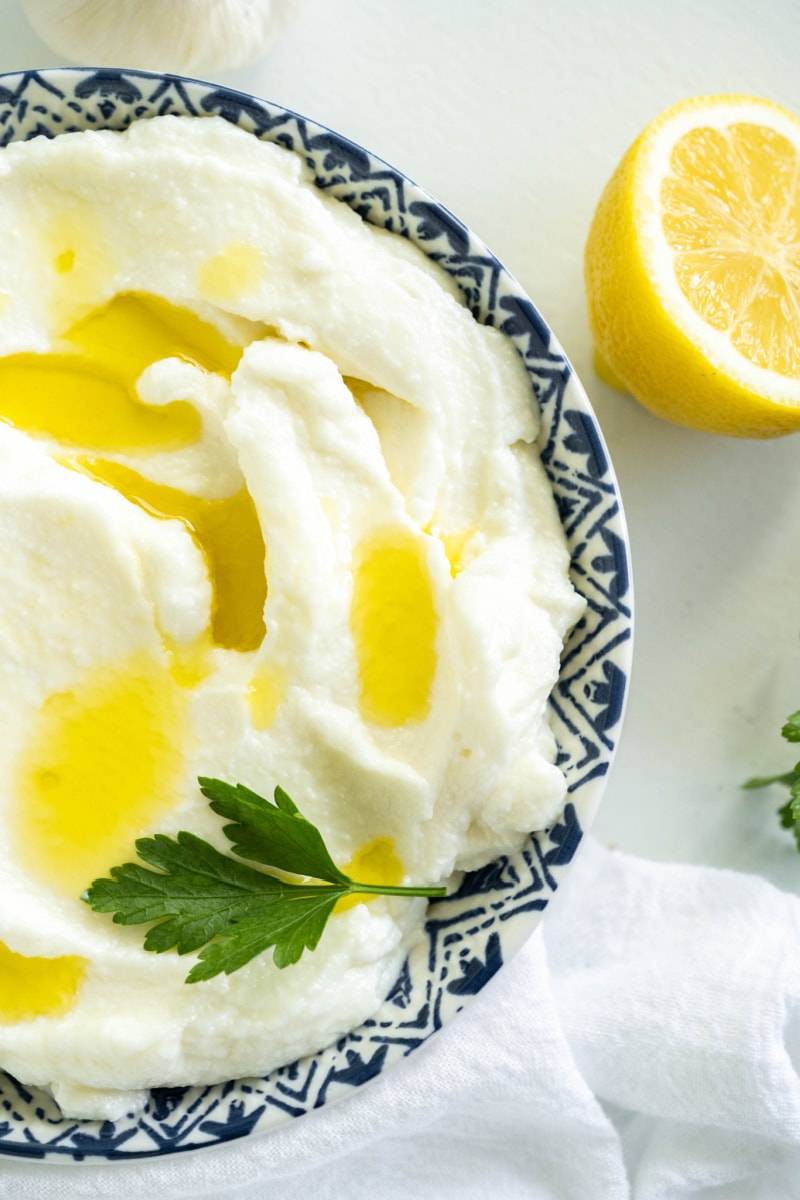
{"x":789,"y":813}
{"x":205,"y":900}
{"x":277,"y":835}
{"x":791,"y":730}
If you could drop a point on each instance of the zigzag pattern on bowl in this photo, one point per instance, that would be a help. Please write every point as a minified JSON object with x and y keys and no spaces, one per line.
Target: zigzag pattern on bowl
{"x":470,"y":934}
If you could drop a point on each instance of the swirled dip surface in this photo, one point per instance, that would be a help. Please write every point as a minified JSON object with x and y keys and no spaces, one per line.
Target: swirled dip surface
{"x":270,"y":510}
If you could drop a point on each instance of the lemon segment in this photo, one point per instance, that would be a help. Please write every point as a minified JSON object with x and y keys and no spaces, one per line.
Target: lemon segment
{"x":692,"y":268}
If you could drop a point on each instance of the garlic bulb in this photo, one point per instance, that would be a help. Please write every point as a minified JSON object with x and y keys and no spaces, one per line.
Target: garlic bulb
{"x":189,"y":36}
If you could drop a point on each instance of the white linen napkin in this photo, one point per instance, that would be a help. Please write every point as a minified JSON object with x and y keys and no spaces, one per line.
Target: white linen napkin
{"x":643,"y":1045}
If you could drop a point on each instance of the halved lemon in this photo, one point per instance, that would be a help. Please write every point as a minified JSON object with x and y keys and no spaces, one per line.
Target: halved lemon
{"x":693,"y":267}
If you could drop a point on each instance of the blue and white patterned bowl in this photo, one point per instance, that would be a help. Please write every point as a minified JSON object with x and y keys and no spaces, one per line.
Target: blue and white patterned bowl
{"x":468,"y":935}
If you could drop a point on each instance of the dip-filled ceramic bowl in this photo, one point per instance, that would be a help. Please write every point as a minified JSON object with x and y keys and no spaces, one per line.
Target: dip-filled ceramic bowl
{"x":471,"y":933}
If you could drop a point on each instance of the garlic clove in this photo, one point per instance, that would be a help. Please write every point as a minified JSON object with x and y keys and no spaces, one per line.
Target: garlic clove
{"x":187,"y":36}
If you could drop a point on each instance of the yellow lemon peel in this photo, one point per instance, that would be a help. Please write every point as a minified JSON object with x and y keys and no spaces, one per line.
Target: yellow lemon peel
{"x":692,"y":268}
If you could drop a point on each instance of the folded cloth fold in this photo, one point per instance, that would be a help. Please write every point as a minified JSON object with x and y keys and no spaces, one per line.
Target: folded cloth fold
{"x":642,"y":1046}
{"x":678,"y":996}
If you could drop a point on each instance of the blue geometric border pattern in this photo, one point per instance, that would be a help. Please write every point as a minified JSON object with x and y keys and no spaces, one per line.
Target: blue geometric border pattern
{"x":469,"y":935}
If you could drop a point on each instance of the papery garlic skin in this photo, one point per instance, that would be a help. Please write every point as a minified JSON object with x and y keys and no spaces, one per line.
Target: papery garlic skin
{"x":191,"y":36}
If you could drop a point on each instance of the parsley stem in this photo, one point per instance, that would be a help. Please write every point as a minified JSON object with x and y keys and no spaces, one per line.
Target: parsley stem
{"x":381,"y":889}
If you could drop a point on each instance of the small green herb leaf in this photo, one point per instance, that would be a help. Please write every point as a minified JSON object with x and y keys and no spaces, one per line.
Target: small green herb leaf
{"x":788,"y":813}
{"x":293,"y":924}
{"x":785,"y":814}
{"x":205,"y":900}
{"x":277,"y":835}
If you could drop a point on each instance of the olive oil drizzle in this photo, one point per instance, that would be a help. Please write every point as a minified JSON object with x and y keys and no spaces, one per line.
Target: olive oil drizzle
{"x":106,"y":758}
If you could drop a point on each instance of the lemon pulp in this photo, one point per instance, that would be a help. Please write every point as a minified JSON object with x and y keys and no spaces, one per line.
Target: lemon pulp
{"x":731,"y":215}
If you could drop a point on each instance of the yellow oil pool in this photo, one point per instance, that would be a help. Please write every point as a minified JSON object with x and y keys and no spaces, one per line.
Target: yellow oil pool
{"x":238,"y":270}
{"x":228,"y":534}
{"x":394,"y":625}
{"x":84,"y":394}
{"x":265,"y":693}
{"x":104,"y":762}
{"x":376,"y":862}
{"x":37,"y":987}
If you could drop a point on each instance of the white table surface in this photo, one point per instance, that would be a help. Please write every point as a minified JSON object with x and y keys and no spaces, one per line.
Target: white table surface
{"x":513,"y":114}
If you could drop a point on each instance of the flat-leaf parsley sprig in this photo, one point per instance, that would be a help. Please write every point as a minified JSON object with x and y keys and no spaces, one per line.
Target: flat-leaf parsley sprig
{"x":789,"y":812}
{"x":203,"y":898}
